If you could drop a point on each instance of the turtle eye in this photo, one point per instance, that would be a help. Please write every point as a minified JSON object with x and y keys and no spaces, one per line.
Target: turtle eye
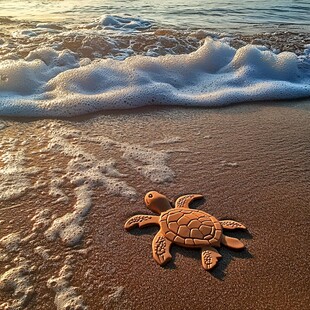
{"x":150,"y":196}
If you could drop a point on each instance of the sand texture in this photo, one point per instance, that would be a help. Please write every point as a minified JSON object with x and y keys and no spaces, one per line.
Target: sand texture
{"x":68,"y":186}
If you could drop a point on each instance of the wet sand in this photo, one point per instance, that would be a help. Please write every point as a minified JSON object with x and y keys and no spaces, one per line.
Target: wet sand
{"x":251,"y":162}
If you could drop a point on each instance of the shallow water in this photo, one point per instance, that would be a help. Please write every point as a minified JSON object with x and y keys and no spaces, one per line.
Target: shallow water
{"x":219,"y":15}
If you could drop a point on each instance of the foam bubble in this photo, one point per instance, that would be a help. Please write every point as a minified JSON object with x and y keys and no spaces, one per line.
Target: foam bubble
{"x":214,"y":75}
{"x":116,"y":299}
{"x":66,"y":296}
{"x":42,"y":251}
{"x":167,"y":140}
{"x":41,"y":220}
{"x":37,"y":69}
{"x":49,"y":26}
{"x":56,"y":190}
{"x":150,"y":163}
{"x":11,"y":242}
{"x":85,"y":168}
{"x":85,"y":171}
{"x":225,"y":163}
{"x":68,"y":227}
{"x":3,"y":125}
{"x":17,"y":282}
{"x":14,"y":176}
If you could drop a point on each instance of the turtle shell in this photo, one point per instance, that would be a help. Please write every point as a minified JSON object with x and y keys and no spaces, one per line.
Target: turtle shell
{"x":191,"y":228}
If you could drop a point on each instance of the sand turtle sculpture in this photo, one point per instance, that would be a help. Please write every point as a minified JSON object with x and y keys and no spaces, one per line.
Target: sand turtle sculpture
{"x":185,"y":227}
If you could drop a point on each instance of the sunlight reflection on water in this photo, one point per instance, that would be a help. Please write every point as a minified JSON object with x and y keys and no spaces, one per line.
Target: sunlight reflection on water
{"x":215,"y":14}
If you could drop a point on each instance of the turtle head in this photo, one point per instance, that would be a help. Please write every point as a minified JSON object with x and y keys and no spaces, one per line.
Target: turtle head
{"x":157,"y":202}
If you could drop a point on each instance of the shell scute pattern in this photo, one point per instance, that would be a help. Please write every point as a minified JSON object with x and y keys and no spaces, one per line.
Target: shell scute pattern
{"x":217,"y":224}
{"x":178,"y":239}
{"x":173,"y":217}
{"x":173,"y":226}
{"x":170,"y":235}
{"x":218,"y":234}
{"x":196,"y":234}
{"x":191,"y":227}
{"x":201,"y":216}
{"x":208,"y":237}
{"x":187,"y":211}
{"x":201,"y":242}
{"x":184,"y":231}
{"x":207,"y":223}
{"x":205,"y":230}
{"x":189,"y":241}
{"x":183,"y":220}
{"x":194,"y":224}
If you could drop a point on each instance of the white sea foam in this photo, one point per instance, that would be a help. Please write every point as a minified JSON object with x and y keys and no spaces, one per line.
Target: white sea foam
{"x":42,"y":251}
{"x":66,"y":296}
{"x":225,"y":163}
{"x":11,"y":242}
{"x":3,"y":125}
{"x":125,"y":23}
{"x":85,"y":168}
{"x":116,"y":299}
{"x":168,"y":141}
{"x":68,"y":227}
{"x":14,"y":176}
{"x":87,"y":171}
{"x":56,"y":190}
{"x":41,"y":220}
{"x":214,"y":75}
{"x":17,"y":281}
{"x":150,"y":163}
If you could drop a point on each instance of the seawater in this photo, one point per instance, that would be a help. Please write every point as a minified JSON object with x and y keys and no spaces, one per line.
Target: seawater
{"x":66,"y":58}
{"x":212,"y":14}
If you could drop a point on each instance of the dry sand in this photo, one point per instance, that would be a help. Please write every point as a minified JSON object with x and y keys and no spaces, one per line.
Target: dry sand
{"x":251,"y":162}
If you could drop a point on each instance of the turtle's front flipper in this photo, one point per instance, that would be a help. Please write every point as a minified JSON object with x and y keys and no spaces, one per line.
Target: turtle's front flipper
{"x":230,"y":224}
{"x":209,"y":257}
{"x":161,"y":249}
{"x":233,"y":243}
{"x":141,"y":221}
{"x":184,"y":201}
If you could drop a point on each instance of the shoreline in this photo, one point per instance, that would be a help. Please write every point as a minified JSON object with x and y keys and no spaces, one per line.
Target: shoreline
{"x":158,"y":108}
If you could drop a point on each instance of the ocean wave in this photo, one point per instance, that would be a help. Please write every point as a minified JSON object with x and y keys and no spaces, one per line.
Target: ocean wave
{"x":49,"y":83}
{"x":122,"y":36}
{"x":127,"y":23}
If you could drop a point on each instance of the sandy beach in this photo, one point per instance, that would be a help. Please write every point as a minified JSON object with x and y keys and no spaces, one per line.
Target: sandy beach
{"x":104,"y":101}
{"x":71,"y":184}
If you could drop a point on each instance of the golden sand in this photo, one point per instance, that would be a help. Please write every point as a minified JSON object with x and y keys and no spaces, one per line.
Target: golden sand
{"x":251,"y":162}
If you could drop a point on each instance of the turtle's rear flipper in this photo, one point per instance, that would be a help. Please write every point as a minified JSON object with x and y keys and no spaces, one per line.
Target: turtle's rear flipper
{"x":230,"y":224}
{"x":141,"y":221}
{"x":161,"y":249}
{"x":209,"y":257}
{"x":233,"y":243}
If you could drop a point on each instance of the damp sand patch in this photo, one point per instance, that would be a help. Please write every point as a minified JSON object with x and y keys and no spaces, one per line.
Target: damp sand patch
{"x":94,"y":173}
